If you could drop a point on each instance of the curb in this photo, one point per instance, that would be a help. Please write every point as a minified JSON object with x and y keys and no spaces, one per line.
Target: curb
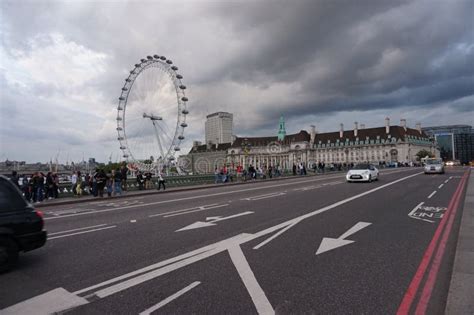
{"x":171,"y":190}
{"x":461,"y":288}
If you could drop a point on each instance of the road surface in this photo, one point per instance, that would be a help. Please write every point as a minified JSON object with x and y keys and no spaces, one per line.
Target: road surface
{"x":313,"y":245}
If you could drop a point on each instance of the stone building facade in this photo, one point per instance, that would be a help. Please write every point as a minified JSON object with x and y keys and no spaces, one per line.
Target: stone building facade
{"x":388,"y":144}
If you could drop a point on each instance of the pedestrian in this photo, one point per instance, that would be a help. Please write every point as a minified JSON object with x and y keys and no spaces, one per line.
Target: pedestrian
{"x":74,"y":183}
{"x":39,"y":185}
{"x":140,"y":180}
{"x":216,"y":175}
{"x":109,"y":183}
{"x":79,"y":184}
{"x":100,"y":179}
{"x":15,"y":179}
{"x":25,"y":188}
{"x":161,"y":181}
{"x":49,"y":186}
{"x":55,"y":185}
{"x":294,"y":169}
{"x":123,"y":173}
{"x":95,"y":191}
{"x":117,"y":182}
{"x":148,"y":180}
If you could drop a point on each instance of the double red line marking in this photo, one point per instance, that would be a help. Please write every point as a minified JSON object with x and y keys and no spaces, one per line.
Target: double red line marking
{"x":447,"y":222}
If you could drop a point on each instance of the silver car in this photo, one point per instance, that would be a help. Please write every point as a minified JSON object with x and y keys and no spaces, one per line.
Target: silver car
{"x":434,"y":166}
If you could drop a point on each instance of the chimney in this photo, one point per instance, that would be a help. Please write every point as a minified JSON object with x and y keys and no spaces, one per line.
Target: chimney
{"x":418,"y":127}
{"x":403,"y":123}
{"x":362,"y":126}
{"x":341,"y":131}
{"x":313,"y":134}
{"x":387,"y":125}
{"x":356,"y":127}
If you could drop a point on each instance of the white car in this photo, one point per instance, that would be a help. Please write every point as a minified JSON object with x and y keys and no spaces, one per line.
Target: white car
{"x":434,"y":166}
{"x":362,"y":173}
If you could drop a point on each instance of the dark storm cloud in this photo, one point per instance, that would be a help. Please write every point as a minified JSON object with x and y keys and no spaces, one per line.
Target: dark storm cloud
{"x":261,"y":59}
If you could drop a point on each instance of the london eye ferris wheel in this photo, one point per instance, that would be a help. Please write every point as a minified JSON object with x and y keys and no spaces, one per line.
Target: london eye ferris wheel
{"x":151,"y":114}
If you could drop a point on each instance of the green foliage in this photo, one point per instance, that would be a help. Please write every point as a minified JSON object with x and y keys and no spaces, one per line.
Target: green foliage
{"x":111,"y":167}
{"x":424,"y":153}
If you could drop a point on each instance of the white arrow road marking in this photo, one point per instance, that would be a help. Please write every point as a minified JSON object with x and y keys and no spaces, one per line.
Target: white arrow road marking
{"x":170,"y":298}
{"x":200,"y":224}
{"x":332,"y":243}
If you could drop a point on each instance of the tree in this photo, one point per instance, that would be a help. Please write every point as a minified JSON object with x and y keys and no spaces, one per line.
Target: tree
{"x":424,"y":153}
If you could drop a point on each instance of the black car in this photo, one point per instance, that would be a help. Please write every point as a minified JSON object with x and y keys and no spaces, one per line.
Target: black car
{"x":21,"y":226}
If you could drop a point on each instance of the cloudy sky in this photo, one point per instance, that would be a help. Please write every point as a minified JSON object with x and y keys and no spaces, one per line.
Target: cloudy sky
{"x":63,"y":63}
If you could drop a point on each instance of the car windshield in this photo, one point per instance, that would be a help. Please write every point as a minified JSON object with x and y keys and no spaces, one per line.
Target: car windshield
{"x":431,"y":162}
{"x":361,"y":167}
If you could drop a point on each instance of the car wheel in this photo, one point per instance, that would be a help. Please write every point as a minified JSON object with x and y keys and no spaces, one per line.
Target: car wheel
{"x":8,"y":254}
{"x":370,"y":179}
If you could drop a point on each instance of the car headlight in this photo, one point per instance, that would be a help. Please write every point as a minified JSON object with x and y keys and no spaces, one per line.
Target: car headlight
{"x":366,"y":173}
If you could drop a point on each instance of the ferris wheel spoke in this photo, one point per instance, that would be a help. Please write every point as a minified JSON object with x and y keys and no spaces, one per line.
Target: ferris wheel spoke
{"x":163,"y":132}
{"x":148,"y":110}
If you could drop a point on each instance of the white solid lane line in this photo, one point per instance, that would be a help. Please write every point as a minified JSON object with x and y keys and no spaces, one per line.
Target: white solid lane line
{"x":258,"y":296}
{"x":197,"y":210}
{"x":83,"y":232}
{"x":432,"y":194}
{"x":259,"y":197}
{"x":440,"y":186}
{"x":170,"y":298}
{"x":78,"y":229}
{"x":268,"y":240}
{"x":182,"y":210}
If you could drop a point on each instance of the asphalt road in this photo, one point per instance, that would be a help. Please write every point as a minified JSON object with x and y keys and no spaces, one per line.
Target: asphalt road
{"x":313,"y":245}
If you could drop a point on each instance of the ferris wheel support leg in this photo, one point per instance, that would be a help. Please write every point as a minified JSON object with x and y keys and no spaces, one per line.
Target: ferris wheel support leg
{"x":158,"y":139}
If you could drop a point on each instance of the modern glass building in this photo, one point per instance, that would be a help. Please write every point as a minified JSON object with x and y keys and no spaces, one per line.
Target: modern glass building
{"x":455,"y":142}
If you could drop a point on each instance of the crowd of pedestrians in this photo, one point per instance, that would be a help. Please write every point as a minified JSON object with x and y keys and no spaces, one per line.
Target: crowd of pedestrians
{"x":100,"y":183}
{"x":38,"y":187}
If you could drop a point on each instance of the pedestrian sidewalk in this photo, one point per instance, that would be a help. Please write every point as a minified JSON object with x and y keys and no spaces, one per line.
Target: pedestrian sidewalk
{"x":134,"y":193}
{"x":461,"y":288}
